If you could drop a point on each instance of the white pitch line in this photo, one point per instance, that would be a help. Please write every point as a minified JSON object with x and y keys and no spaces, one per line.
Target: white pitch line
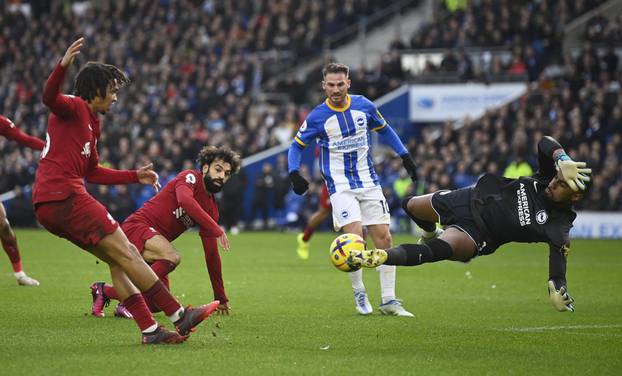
{"x":561,"y":327}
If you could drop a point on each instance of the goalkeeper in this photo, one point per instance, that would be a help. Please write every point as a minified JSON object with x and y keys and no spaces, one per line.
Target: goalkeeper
{"x":496,"y":211}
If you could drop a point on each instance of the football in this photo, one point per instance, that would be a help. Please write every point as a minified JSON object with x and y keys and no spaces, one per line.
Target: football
{"x":340,"y":250}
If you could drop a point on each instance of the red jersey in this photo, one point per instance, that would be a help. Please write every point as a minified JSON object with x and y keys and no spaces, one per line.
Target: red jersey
{"x":10,"y":131}
{"x":70,"y":154}
{"x":183,"y":203}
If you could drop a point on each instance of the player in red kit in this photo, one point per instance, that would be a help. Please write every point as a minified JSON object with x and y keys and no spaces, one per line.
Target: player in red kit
{"x":186,"y":201}
{"x":7,"y":236}
{"x":63,"y":206}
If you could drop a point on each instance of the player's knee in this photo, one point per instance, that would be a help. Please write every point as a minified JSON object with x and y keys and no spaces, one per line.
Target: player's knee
{"x":384,"y":240}
{"x":5,"y":227}
{"x":174,"y":257}
{"x":406,"y":204}
{"x":125,"y":252}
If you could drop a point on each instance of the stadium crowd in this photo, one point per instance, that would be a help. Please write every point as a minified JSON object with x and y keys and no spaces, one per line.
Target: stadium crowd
{"x":195,"y":84}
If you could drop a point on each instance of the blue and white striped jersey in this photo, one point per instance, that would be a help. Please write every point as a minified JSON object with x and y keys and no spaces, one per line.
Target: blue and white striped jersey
{"x":344,"y":137}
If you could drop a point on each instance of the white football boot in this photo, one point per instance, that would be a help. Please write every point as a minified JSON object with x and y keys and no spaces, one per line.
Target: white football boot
{"x":394,"y":308}
{"x":25,"y":280}
{"x":362,"y":303}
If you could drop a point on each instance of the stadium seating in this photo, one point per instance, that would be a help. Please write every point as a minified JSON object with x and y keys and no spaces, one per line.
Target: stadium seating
{"x":196,"y":70}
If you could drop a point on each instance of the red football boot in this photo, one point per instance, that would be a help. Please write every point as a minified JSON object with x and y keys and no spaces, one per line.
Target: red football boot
{"x":194,"y":316}
{"x":162,"y":336}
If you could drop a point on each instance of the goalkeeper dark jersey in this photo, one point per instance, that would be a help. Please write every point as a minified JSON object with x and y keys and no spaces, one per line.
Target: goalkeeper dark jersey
{"x":518,"y":210}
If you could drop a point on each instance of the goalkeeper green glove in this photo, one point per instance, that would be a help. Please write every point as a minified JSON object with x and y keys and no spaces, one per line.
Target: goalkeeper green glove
{"x":561,"y":300}
{"x":573,"y":173}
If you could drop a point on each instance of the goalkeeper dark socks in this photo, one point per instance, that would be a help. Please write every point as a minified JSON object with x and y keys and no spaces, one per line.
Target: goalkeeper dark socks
{"x":424,"y":225}
{"x":417,"y":254}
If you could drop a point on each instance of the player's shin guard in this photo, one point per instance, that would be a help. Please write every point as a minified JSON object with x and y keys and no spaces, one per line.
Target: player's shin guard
{"x":424,"y":225}
{"x":417,"y":254}
{"x":160,"y":295}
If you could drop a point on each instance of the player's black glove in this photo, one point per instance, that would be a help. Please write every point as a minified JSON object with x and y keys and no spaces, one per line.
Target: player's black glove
{"x":410,"y":167}
{"x":561,"y":300}
{"x":300,"y":184}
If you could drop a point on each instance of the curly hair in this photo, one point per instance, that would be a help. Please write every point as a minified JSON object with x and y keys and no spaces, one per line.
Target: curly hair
{"x":211,"y":153}
{"x":94,"y":78}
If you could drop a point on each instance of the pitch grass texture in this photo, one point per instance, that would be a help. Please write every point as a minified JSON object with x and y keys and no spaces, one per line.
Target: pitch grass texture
{"x":290,"y":317}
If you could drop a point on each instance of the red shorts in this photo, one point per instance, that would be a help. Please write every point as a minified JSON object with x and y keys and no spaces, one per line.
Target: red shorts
{"x":138,"y":233}
{"x":325,"y":198}
{"x":80,"y":219}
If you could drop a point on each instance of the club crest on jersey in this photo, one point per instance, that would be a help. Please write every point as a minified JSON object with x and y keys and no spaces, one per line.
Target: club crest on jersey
{"x":86,"y":150}
{"x":360,"y":122}
{"x":542,"y":217}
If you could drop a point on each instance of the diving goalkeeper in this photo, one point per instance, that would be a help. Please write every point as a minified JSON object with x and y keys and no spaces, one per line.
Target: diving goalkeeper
{"x":496,"y":211}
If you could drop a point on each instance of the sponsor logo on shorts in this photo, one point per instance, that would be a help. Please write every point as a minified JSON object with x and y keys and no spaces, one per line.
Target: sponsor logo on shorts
{"x":344,"y":214}
{"x":541,"y":217}
{"x":152,"y":229}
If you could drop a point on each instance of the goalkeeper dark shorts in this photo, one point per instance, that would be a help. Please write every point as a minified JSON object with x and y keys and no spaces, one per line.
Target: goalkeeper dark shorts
{"x":454,"y":210}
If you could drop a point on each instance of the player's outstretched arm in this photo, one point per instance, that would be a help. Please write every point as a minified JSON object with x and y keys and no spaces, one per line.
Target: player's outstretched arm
{"x":558,"y":291}
{"x":294,"y":156}
{"x":214,"y":268}
{"x":61,"y":105}
{"x":10,"y":131}
{"x":388,"y":136}
{"x":186,"y":200}
{"x":552,"y":158}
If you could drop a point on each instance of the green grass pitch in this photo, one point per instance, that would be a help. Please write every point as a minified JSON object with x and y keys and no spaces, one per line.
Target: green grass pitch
{"x":491,"y":316}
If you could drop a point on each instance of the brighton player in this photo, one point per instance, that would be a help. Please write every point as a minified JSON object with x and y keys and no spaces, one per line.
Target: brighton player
{"x":496,"y":211}
{"x":342,"y":126}
{"x":63,"y":206}
{"x":186,"y":201}
{"x":7,"y":236}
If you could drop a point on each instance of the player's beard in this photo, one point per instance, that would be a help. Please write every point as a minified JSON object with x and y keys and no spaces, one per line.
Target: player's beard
{"x":211,"y":186}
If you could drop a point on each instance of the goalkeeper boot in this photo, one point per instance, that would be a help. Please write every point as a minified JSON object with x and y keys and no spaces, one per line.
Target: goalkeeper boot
{"x":121,"y":311}
{"x":162,"y":336}
{"x":25,"y":280}
{"x":394,"y":308}
{"x":424,"y":239}
{"x":363,"y":306}
{"x":303,"y":247}
{"x":99,"y":299}
{"x":369,"y":258}
{"x":194,"y":316}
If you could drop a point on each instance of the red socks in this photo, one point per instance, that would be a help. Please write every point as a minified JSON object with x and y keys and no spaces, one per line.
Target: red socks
{"x":10,"y":247}
{"x":307,"y":234}
{"x":159,"y":295}
{"x":138,"y":308}
{"x":161,"y":268}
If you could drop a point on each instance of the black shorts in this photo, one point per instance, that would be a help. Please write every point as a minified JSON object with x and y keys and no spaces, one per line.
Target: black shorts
{"x":454,"y":210}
